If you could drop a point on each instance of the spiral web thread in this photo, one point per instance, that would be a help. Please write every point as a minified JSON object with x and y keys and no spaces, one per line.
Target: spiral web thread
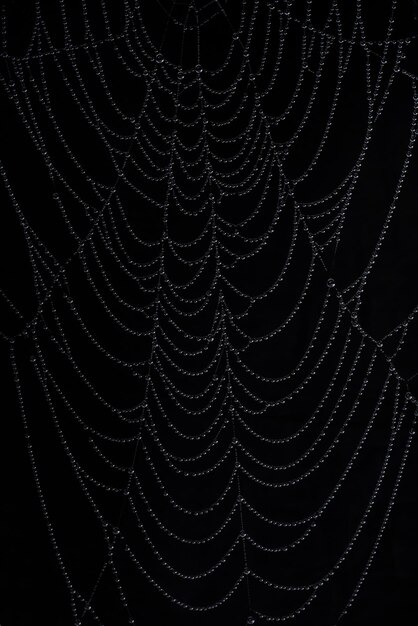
{"x":194,"y":257}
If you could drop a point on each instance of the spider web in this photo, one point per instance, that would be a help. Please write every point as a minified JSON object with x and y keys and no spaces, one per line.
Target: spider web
{"x":199,"y":338}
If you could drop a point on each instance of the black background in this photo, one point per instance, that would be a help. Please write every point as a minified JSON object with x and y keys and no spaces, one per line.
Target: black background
{"x":32,"y":588}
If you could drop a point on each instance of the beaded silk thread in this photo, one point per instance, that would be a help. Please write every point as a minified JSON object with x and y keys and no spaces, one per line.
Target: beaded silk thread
{"x":163,"y":250}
